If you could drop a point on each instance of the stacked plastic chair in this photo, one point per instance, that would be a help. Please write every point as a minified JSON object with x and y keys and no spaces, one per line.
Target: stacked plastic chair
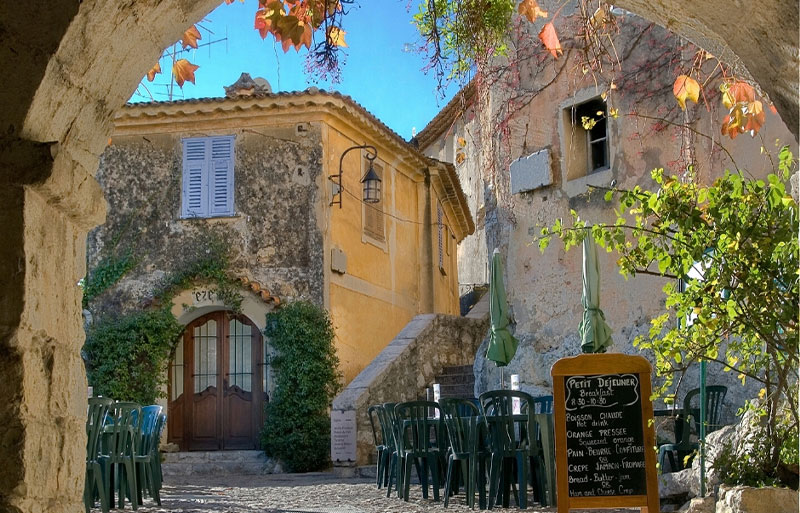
{"x":383,"y":452}
{"x":95,"y":482}
{"x":467,"y":453}
{"x":122,"y":439}
{"x":146,"y":450}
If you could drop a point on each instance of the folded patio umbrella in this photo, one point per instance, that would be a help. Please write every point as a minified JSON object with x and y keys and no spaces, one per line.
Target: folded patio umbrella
{"x":595,"y":333}
{"x":502,"y":344}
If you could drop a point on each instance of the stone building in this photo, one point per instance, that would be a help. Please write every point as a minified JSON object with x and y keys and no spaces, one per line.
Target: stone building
{"x":537,"y":162}
{"x":57,"y":111}
{"x":259,"y":173}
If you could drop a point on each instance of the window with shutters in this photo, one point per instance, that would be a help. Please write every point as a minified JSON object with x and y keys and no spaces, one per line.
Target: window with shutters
{"x":373,"y":212}
{"x":442,"y":235}
{"x":207,"y":177}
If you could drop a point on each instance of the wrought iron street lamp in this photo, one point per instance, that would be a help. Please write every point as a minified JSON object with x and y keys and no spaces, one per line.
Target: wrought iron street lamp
{"x":371,"y":181}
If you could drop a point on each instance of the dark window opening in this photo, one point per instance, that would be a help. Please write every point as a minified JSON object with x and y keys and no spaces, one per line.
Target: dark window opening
{"x":592,"y":117}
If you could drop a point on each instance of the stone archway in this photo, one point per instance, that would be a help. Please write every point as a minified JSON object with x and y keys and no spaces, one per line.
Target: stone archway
{"x":69,"y":66}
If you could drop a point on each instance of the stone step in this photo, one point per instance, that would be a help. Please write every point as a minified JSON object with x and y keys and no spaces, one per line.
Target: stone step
{"x":457,"y":391}
{"x":457,"y":369}
{"x":455,"y":379}
{"x":217,"y":463}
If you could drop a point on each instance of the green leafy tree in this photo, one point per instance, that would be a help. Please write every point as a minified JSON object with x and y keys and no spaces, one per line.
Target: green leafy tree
{"x":734,"y":246}
{"x":460,"y":33}
{"x":297,"y":430}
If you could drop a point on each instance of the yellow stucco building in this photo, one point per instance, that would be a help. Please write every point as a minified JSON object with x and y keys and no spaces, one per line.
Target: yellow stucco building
{"x":260,"y":171}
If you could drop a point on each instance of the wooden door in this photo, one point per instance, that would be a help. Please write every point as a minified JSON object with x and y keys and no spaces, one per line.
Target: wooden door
{"x":216,"y":395}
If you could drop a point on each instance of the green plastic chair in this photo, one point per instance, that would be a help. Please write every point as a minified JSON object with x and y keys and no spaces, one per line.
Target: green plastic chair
{"x":542,"y":476}
{"x":543,"y":404}
{"x":146,"y":480}
{"x":382,"y":476}
{"x":94,"y":484}
{"x":155,"y":462}
{"x":510,"y":443}
{"x":465,"y":430}
{"x":122,"y":441}
{"x":389,"y":429}
{"x":419,"y":444}
{"x":684,"y":446}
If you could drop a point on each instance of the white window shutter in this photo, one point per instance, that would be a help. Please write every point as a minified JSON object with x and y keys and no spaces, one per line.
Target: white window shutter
{"x":221,"y":176}
{"x":194,"y":200}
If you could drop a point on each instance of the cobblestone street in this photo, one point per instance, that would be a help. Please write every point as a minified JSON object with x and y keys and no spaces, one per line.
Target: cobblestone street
{"x":296,"y":493}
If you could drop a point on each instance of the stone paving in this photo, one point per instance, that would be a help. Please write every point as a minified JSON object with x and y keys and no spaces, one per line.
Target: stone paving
{"x":297,"y":493}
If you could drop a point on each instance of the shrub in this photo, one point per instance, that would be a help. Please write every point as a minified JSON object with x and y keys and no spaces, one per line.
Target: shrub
{"x":297,"y":427}
{"x":127,"y":355}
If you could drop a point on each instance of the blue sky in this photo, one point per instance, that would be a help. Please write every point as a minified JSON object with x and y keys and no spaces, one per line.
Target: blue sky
{"x":380,"y":71}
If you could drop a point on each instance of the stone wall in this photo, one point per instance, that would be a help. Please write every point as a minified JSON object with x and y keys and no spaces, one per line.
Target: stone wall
{"x":408,"y":365}
{"x":60,"y":95}
{"x":544,"y":289}
{"x":273,"y":237}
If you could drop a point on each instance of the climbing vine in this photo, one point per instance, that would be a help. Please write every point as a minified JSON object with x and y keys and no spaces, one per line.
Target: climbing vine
{"x":105,"y":274}
{"x":297,"y":427}
{"x":127,"y":353}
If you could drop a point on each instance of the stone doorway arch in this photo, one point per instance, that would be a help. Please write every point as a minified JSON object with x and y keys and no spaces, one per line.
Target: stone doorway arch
{"x":69,"y":66}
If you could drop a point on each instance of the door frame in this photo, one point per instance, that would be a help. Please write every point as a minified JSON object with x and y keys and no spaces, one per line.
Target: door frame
{"x":180,"y":411}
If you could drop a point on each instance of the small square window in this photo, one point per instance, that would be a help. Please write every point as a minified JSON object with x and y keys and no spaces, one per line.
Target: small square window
{"x":585,"y":145}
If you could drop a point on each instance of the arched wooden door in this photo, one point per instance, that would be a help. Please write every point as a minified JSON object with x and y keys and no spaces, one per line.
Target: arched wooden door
{"x":216,"y":384}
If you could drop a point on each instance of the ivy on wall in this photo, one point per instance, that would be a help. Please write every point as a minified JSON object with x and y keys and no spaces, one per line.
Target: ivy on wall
{"x":297,"y":430}
{"x":108,"y":272}
{"x":127,"y":354}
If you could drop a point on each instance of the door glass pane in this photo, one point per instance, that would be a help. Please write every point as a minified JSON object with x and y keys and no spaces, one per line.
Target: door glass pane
{"x":240,"y":364}
{"x":177,"y":372}
{"x":205,"y":356}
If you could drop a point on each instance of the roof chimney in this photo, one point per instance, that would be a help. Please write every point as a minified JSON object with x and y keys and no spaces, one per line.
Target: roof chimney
{"x":246,"y":86}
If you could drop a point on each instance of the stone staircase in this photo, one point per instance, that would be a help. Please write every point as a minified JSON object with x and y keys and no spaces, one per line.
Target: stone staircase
{"x":217,"y":463}
{"x":456,"y":381}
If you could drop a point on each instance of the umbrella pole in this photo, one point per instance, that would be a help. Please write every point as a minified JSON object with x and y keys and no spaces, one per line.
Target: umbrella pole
{"x":502,"y":378}
{"x":703,"y":414}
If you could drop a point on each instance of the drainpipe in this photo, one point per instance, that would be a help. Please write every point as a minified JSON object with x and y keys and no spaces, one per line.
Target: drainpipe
{"x":427,"y":288}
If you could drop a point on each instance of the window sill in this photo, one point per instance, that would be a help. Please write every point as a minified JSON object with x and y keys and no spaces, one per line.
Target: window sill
{"x":578,"y":186}
{"x":212,"y":218}
{"x":380,"y":244}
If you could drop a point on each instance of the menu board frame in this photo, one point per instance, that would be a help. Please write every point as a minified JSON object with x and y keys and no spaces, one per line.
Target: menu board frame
{"x":602,"y":364}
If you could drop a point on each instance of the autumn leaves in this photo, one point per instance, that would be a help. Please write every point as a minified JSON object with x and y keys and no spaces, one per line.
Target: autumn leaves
{"x":291,"y":22}
{"x":745,"y":113}
{"x":548,"y":36}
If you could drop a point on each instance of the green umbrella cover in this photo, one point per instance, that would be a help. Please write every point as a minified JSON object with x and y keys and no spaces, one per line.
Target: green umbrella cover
{"x":502,"y":344}
{"x":595,"y":333}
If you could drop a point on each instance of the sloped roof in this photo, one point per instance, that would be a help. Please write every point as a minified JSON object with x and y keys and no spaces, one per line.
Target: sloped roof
{"x":314,"y":97}
{"x":442,"y":122}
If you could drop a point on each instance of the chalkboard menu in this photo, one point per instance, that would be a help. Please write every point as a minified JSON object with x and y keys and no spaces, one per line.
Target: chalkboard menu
{"x":605,"y":443}
{"x":603,"y":435}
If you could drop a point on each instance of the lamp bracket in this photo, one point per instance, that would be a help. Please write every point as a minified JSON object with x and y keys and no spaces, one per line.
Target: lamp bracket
{"x":371,"y":155}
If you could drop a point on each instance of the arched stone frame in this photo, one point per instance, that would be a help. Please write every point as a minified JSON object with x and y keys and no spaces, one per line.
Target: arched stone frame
{"x":186,"y":308}
{"x":57,"y":107}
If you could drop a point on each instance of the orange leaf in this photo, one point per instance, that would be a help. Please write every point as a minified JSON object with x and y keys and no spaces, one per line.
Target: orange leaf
{"x":531,"y":10}
{"x":190,"y":37}
{"x":685,"y":88}
{"x":336,"y":36}
{"x":183,"y":70}
{"x":550,"y":40}
{"x":263,"y":22}
{"x":151,"y":75}
{"x":772,"y":108}
{"x":755,"y":118}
